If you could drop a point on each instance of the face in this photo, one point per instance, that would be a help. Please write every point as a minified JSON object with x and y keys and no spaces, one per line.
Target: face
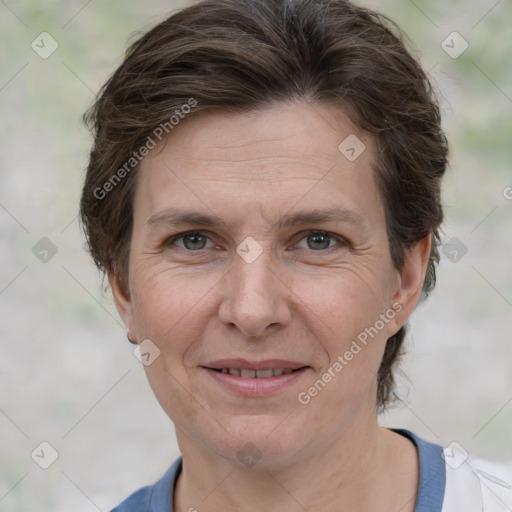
{"x":260,"y":269}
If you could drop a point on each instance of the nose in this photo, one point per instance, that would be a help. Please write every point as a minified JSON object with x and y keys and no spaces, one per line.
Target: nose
{"x":256,"y":300}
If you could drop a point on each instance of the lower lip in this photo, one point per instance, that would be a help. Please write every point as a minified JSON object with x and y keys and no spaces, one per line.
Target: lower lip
{"x":257,"y":386}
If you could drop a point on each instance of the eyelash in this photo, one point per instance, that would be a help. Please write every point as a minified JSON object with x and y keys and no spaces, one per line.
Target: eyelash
{"x":341,"y":242}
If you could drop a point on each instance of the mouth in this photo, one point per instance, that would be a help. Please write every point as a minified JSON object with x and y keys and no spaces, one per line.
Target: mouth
{"x":256,"y":378}
{"x":245,"y":373}
{"x":255,"y":369}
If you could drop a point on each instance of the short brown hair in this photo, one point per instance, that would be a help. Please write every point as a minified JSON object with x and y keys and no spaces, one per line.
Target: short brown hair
{"x":244,"y":55}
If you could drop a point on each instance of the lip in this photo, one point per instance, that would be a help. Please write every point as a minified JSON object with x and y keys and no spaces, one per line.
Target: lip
{"x":256,"y":387}
{"x":266,"y":364}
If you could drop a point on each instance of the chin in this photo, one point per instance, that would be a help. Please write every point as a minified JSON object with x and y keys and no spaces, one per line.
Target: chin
{"x":259,"y":442}
{"x":259,"y":455}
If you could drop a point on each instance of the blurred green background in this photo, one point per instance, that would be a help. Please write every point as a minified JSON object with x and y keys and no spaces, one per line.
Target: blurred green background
{"x":67,"y":373}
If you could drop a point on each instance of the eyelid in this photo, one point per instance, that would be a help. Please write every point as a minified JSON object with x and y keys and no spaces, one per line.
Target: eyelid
{"x":173,"y":238}
{"x":340,"y":240}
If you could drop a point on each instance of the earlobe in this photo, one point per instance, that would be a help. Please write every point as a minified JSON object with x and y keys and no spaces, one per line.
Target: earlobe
{"x":410,"y":282}
{"x":122,"y":300}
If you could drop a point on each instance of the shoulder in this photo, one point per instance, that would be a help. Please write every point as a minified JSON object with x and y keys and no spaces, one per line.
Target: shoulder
{"x":453,"y":481}
{"x":153,"y":498}
{"x":138,"y":501}
{"x":476,"y":484}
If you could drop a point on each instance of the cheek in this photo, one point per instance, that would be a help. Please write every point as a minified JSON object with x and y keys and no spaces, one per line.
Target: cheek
{"x":165,"y":302}
{"x":344,"y":303}
{"x":345,"y":316}
{"x":353,"y":346}
{"x":173,"y":312}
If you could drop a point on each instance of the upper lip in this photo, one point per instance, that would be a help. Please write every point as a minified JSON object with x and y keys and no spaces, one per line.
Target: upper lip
{"x":245,"y":364}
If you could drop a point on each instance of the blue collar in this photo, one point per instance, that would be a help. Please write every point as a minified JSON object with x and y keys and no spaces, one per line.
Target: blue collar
{"x":159,"y":497}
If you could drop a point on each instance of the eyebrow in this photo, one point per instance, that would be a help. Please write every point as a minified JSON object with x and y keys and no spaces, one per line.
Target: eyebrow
{"x":176,"y":217}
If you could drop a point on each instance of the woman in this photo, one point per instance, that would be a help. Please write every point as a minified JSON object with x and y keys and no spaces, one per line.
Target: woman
{"x":264,"y":196}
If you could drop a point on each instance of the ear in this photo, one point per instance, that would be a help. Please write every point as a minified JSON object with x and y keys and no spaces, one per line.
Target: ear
{"x":123,"y":302}
{"x":409,"y":283}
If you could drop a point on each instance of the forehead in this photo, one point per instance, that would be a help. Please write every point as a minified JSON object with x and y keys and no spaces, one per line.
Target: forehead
{"x":269,"y":161}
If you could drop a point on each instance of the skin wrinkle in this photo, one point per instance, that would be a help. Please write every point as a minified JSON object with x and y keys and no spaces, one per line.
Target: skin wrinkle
{"x":263,"y":106}
{"x":415,"y":153}
{"x":346,"y":217}
{"x":300,"y":304}
{"x":272,"y":175}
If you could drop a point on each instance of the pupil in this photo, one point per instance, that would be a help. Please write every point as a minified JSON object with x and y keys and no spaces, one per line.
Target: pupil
{"x":318,"y":241}
{"x":194,"y":241}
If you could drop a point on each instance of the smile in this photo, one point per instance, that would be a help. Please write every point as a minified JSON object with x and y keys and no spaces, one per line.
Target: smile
{"x":255,"y":374}
{"x":256,"y":378}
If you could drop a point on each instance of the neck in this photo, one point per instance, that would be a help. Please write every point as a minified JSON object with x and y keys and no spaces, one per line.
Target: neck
{"x":367,"y":468}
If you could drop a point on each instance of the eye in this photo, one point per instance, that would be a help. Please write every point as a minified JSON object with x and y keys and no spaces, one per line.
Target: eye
{"x":313,"y":240}
{"x":320,"y":240}
{"x":191,"y":241}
